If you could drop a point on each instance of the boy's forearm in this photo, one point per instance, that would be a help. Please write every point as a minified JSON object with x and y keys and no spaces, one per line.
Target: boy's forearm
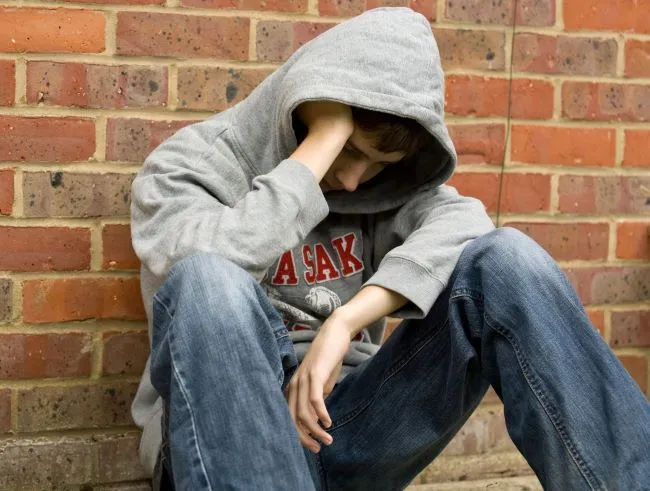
{"x":370,"y":304}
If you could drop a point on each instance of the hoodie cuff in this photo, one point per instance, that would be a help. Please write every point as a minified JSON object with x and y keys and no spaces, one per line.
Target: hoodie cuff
{"x":410,"y":280}
{"x":313,"y":205}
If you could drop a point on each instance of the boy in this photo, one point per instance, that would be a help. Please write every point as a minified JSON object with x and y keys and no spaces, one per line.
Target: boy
{"x":287,"y":228}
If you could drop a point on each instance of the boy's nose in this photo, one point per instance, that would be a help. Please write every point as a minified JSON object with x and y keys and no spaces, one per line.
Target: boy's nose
{"x":350,"y":177}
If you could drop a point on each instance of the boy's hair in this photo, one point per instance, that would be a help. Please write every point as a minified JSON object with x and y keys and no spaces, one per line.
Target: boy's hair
{"x":394,"y":133}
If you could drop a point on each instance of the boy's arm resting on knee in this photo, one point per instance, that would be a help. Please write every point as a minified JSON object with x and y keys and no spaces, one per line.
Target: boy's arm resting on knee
{"x":417,"y":248}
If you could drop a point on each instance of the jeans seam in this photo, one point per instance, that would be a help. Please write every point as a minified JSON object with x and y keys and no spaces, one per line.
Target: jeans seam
{"x":401,"y":363}
{"x":183,"y":391}
{"x":529,"y":376}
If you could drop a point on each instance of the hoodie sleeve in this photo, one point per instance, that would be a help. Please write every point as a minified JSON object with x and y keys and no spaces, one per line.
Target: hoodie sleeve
{"x":193,"y":195}
{"x":418,"y":246}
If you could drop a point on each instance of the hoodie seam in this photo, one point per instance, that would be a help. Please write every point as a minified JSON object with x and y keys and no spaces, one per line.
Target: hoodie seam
{"x":416,"y":263}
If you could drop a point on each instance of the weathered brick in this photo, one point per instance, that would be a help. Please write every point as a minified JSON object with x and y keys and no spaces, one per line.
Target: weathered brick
{"x":6,"y":296}
{"x":68,"y":194}
{"x":35,"y":30}
{"x":5,"y":411}
{"x":485,"y":431}
{"x":471,"y":49}
{"x":522,"y":193}
{"x":44,"y":355}
{"x":610,"y":15}
{"x":631,"y":328}
{"x":479,"y":143}
{"x":133,"y":486}
{"x":216,"y":89}
{"x":68,"y":462}
{"x":529,"y":12}
{"x":563,"y":54}
{"x":96,"y":86}
{"x":601,"y":195}
{"x":610,"y":284}
{"x":597,"y":318}
{"x":117,"y":248}
{"x":567,"y":241}
{"x":275,"y":5}
{"x":633,"y":240}
{"x":60,"y":300}
{"x":131,"y":140}
{"x":637,"y":367}
{"x":46,"y":139}
{"x":348,"y":8}
{"x":88,"y":406}
{"x":8,"y":85}
{"x":121,"y":2}
{"x":552,"y":145}
{"x":637,"y":58}
{"x":44,"y":248}
{"x":184,"y":36}
{"x":485,"y":96}
{"x":277,"y":40}
{"x":606,"y":102}
{"x":6,"y":191}
{"x":125,"y":352}
{"x":636,"y":148}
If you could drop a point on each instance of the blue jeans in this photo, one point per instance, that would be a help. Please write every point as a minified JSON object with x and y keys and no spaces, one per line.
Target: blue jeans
{"x":221,"y":356}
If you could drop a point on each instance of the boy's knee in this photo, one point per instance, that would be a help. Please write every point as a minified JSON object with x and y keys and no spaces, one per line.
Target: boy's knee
{"x":210,"y":271}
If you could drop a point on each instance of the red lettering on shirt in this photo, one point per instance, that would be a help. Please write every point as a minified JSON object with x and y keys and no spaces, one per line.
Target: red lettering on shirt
{"x":344,"y":246}
{"x":308,"y":261}
{"x":326,"y":271}
{"x":285,"y":273}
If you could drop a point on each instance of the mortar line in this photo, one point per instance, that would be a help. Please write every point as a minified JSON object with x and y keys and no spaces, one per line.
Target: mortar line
{"x":612,"y":241}
{"x":97,"y":360}
{"x":554,"y":204}
{"x":172,"y":87}
{"x":619,"y":147}
{"x":110,"y":33}
{"x":620,"y":55}
{"x":312,"y":7}
{"x":20,"y":95}
{"x":17,"y":300}
{"x":252,"y":40}
{"x":559,"y":15}
{"x":96,"y":246}
{"x":557,"y":99}
{"x":17,"y":209}
{"x":440,"y":12}
{"x":101,"y":125}
{"x":14,"y":409}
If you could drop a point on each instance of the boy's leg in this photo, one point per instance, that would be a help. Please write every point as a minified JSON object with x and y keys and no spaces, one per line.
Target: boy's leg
{"x":508,"y":317}
{"x":219,"y":356}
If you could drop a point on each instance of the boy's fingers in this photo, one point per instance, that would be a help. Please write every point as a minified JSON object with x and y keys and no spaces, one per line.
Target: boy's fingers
{"x":307,"y":415}
{"x":318,"y":403}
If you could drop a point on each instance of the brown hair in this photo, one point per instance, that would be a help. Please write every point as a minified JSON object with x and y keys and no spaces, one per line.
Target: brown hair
{"x":393,"y":133}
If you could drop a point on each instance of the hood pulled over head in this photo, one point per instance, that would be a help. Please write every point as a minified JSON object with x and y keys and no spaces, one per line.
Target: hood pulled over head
{"x":384,"y":60}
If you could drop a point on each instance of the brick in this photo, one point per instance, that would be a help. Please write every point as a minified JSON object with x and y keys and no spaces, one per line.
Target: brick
{"x":597,"y":318}
{"x":273,"y":5}
{"x":88,"y":406}
{"x":349,"y":8}
{"x":25,"y":356}
{"x":529,"y":12}
{"x":6,"y":191}
{"x":182,"y":36}
{"x":121,"y":2}
{"x":60,"y":300}
{"x":522,"y":193}
{"x":567,"y":241}
{"x":636,"y":148}
{"x":69,"y":462}
{"x":131,"y":140}
{"x":485,"y":431}
{"x":631,"y":328}
{"x":216,"y":89}
{"x":471,"y":49}
{"x":6,"y":299}
{"x":5,"y":410}
{"x":44,"y":248}
{"x":277,"y":40}
{"x":610,"y":284}
{"x":637,"y":58}
{"x":605,"y":102}
{"x":637,"y":367}
{"x":485,"y":96}
{"x":602,"y":195}
{"x":8,"y":85}
{"x":46,"y":139}
{"x":96,"y":86}
{"x":633,"y":240}
{"x":68,"y":194}
{"x":117,"y":249}
{"x":35,"y":30}
{"x":540,"y":53}
{"x":125,"y":352}
{"x":479,"y":143}
{"x":552,"y":145}
{"x":610,"y":15}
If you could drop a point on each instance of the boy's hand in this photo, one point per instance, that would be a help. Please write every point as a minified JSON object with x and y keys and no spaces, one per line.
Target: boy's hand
{"x":315,"y":379}
{"x":327,"y":119}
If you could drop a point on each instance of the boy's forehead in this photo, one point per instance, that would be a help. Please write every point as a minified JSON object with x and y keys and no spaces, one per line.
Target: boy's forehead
{"x":367,"y":144}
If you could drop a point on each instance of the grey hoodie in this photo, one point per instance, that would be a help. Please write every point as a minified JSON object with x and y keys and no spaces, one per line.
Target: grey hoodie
{"x":226,"y":186}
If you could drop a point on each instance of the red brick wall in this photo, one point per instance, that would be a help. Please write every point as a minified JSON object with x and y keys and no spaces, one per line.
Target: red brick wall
{"x":88,"y":88}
